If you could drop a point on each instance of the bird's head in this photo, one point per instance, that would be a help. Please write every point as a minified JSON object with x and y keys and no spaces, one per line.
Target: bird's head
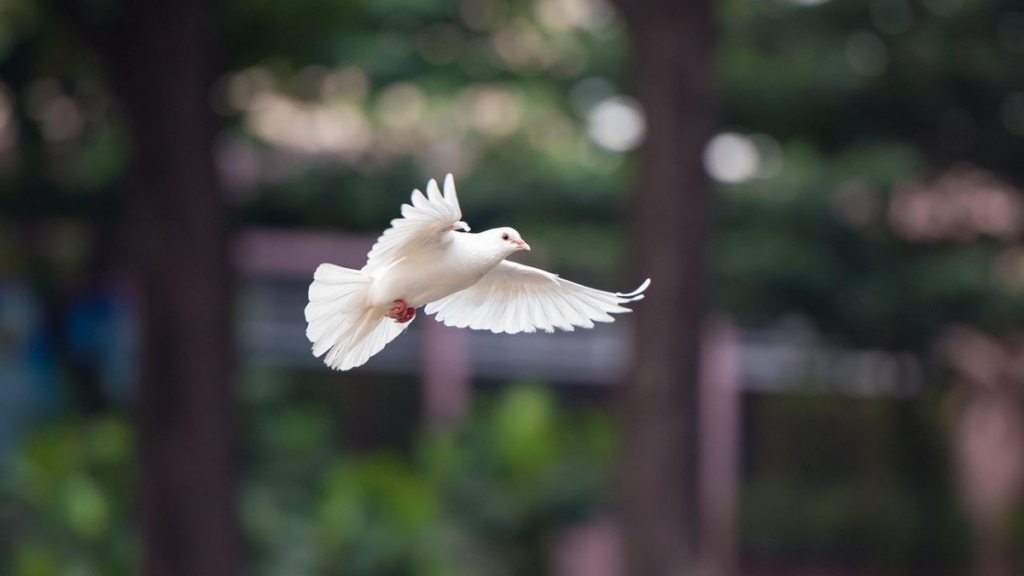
{"x":506,"y":240}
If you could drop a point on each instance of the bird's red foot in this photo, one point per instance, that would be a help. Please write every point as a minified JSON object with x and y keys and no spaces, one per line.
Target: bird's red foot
{"x":401,"y":312}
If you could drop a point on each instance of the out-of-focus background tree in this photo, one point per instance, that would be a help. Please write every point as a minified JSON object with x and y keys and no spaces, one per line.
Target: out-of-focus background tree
{"x":825,"y":379}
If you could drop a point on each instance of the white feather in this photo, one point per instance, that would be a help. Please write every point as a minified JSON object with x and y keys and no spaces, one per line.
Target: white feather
{"x":513,"y":298}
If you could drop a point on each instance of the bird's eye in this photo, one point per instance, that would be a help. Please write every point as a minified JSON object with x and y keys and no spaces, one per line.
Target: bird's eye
{"x":504,"y":236}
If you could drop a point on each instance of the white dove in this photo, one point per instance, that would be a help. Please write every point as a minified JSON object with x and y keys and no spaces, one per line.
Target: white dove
{"x":425,"y":259}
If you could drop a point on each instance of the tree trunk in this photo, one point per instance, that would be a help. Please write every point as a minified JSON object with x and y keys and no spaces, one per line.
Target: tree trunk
{"x":163,"y":71}
{"x":671,"y":219}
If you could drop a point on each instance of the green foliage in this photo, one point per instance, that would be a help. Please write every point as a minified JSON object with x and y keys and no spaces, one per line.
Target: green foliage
{"x":488,"y":497}
{"x":869,"y":487}
{"x":519,"y":470}
{"x":379,"y":516}
{"x":521,"y":467}
{"x":69,"y":498}
{"x":853,"y":524}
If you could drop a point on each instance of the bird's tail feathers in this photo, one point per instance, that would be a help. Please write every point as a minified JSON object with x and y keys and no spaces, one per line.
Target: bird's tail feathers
{"x":340,"y":321}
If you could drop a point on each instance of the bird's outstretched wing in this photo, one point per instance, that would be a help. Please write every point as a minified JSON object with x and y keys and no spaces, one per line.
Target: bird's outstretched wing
{"x":514,"y":298}
{"x":423,"y":226}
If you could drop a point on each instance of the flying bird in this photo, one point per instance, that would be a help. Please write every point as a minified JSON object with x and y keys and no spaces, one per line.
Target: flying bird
{"x":429,"y":258}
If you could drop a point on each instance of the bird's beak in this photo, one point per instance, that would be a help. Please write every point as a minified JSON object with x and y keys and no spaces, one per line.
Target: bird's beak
{"x":522,"y":245}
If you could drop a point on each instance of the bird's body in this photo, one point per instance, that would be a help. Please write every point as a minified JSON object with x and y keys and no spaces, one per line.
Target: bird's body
{"x":463,"y":278}
{"x":430,"y":275}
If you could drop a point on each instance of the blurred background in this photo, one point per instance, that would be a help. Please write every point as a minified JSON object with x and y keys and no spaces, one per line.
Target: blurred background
{"x":826,"y":378}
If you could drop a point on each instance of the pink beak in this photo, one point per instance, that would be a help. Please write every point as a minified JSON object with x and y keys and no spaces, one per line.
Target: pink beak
{"x":522,"y":245}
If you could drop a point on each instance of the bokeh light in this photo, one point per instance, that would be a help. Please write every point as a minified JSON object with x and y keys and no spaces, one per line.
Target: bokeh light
{"x":616,"y":124}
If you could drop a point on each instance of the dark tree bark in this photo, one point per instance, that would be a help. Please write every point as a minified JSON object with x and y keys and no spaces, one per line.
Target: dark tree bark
{"x":161,"y":61}
{"x":670,"y":227}
{"x":181,"y":229}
